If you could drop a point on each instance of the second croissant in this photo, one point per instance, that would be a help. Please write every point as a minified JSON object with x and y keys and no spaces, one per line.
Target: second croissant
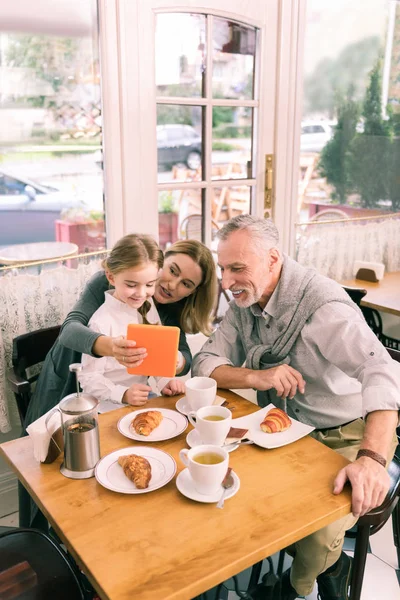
{"x":144,"y":423}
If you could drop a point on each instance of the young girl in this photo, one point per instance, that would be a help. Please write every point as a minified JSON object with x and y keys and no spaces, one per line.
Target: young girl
{"x":132,"y":269}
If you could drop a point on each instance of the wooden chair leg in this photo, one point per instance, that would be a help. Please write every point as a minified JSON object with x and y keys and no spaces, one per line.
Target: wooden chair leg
{"x":396,"y":530}
{"x":360,"y":557}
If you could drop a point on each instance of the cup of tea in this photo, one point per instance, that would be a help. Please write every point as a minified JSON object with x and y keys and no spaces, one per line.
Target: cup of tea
{"x":207,"y":467}
{"x":200,"y":391}
{"x":212,"y":424}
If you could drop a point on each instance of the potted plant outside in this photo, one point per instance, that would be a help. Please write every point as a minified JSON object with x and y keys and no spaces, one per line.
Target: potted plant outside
{"x":167,"y":219}
{"x":84,"y":228}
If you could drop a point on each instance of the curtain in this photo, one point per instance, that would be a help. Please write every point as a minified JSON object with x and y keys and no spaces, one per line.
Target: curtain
{"x":332,"y":248}
{"x":29,"y":302}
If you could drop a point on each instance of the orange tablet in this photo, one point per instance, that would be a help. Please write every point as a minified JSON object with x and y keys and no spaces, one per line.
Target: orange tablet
{"x":161,"y":343}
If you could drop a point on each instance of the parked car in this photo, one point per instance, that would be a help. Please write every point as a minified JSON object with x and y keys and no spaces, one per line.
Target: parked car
{"x":178,"y":144}
{"x":28,"y":210}
{"x":175,"y":144}
{"x":314,"y":135}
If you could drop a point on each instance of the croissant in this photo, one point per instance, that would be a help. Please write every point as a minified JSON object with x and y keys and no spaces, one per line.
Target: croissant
{"x":275,"y":420}
{"x":137,"y":469}
{"x":144,"y":423}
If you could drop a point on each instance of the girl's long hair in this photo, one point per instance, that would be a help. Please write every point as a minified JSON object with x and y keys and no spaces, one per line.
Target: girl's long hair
{"x":134,"y":250}
{"x":198,"y":307}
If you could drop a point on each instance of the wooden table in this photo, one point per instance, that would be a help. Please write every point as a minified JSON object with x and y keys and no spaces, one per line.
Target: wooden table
{"x":383,"y":295}
{"x":164,"y":546}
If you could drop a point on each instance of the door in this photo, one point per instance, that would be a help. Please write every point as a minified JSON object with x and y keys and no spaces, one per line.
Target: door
{"x":199,"y":95}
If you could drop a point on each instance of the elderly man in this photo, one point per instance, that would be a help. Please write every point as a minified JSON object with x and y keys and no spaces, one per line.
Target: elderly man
{"x":291,"y":333}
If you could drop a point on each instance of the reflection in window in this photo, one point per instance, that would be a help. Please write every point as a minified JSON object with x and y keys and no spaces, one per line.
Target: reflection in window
{"x":179,"y":142}
{"x":229,"y":202}
{"x":180,"y":54}
{"x":179,"y":215}
{"x":51,"y":181}
{"x":232,"y":139}
{"x":233,"y":59}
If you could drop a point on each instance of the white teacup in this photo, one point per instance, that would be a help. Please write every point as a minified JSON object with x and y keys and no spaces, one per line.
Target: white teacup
{"x":212,"y":424}
{"x":207,"y":466}
{"x":200,"y":391}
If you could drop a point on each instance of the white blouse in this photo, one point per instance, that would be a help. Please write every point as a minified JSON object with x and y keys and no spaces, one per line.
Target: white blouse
{"x":104,"y":377}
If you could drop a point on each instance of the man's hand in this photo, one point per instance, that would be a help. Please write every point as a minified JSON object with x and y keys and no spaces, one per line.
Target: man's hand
{"x":126,"y":354}
{"x":370,"y":483}
{"x":173,"y":387}
{"x":137,"y":394}
{"x":284,"y":379}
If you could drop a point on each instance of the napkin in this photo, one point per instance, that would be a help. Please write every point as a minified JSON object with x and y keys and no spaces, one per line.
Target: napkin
{"x":218,"y":401}
{"x":47,"y":441}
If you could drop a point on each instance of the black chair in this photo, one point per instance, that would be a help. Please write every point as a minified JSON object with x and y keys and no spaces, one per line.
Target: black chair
{"x":372,"y":317}
{"x":29,"y":350}
{"x":34,"y":567}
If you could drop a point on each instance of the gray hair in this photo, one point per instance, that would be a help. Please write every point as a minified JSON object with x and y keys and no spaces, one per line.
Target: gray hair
{"x":263,"y":232}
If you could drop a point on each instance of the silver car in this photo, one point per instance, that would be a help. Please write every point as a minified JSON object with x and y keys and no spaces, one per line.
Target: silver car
{"x":28,"y":210}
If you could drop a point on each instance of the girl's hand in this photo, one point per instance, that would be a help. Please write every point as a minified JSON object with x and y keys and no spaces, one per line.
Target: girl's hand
{"x":125,"y":353}
{"x":137,"y":394}
{"x":173,"y":387}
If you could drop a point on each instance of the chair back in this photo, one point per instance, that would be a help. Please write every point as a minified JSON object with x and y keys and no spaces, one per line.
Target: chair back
{"x":33,"y":566}
{"x":29,"y":350}
{"x":191,"y":228}
{"x":372,"y":316}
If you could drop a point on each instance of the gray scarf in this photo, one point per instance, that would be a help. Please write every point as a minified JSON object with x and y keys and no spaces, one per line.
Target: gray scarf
{"x":299,"y":293}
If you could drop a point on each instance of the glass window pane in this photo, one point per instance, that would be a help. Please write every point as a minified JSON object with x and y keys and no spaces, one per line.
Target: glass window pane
{"x":229,"y":202}
{"x":179,"y":142}
{"x":51,"y":178}
{"x":231,"y":142}
{"x":179,"y":215}
{"x":180,"y":54}
{"x":349,"y":142}
{"x":234,"y":46}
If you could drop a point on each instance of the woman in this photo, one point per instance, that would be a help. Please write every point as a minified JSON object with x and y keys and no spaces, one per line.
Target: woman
{"x":184,"y":297}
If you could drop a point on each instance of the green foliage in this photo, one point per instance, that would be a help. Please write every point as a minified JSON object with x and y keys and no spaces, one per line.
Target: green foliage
{"x":232,"y":131}
{"x":223,"y":114}
{"x":166,"y":202}
{"x":333,"y":162}
{"x":223,"y":146}
{"x":370,"y":151}
{"x":52,"y":58}
{"x":332,"y":78}
{"x":168,"y":113}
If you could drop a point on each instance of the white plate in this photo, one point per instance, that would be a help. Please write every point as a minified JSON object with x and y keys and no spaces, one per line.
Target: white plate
{"x":270,"y":440}
{"x":193,"y":439}
{"x":173,"y":424}
{"x":184,"y":483}
{"x":182,"y":406}
{"x":111,"y":475}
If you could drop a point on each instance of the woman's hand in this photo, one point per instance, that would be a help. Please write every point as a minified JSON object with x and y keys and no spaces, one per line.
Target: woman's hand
{"x":125,"y":352}
{"x":137,"y":394}
{"x":173,"y":388}
{"x":180,"y":363}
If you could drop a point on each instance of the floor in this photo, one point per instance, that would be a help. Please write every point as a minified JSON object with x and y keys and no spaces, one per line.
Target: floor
{"x":380,"y":580}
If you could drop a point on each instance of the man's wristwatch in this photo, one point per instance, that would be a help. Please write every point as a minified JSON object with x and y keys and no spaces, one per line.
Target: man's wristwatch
{"x":371,"y":454}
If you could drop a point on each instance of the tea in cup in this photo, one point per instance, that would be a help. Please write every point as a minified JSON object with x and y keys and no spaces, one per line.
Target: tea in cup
{"x":207,"y":467}
{"x":200,"y":391}
{"x":212,"y":424}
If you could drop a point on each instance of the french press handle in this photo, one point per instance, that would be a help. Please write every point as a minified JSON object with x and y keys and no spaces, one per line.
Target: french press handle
{"x":76,"y":368}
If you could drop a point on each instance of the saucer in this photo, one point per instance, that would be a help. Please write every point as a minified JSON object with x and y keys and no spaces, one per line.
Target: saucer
{"x":182,"y":406}
{"x":184,"y":483}
{"x":193,"y":439}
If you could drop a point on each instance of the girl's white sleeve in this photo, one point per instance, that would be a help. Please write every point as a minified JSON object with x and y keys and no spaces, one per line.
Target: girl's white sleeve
{"x":92,"y":378}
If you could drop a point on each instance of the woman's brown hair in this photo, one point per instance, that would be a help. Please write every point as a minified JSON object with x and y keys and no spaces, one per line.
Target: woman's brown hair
{"x":132,"y":251}
{"x":198,"y":307}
